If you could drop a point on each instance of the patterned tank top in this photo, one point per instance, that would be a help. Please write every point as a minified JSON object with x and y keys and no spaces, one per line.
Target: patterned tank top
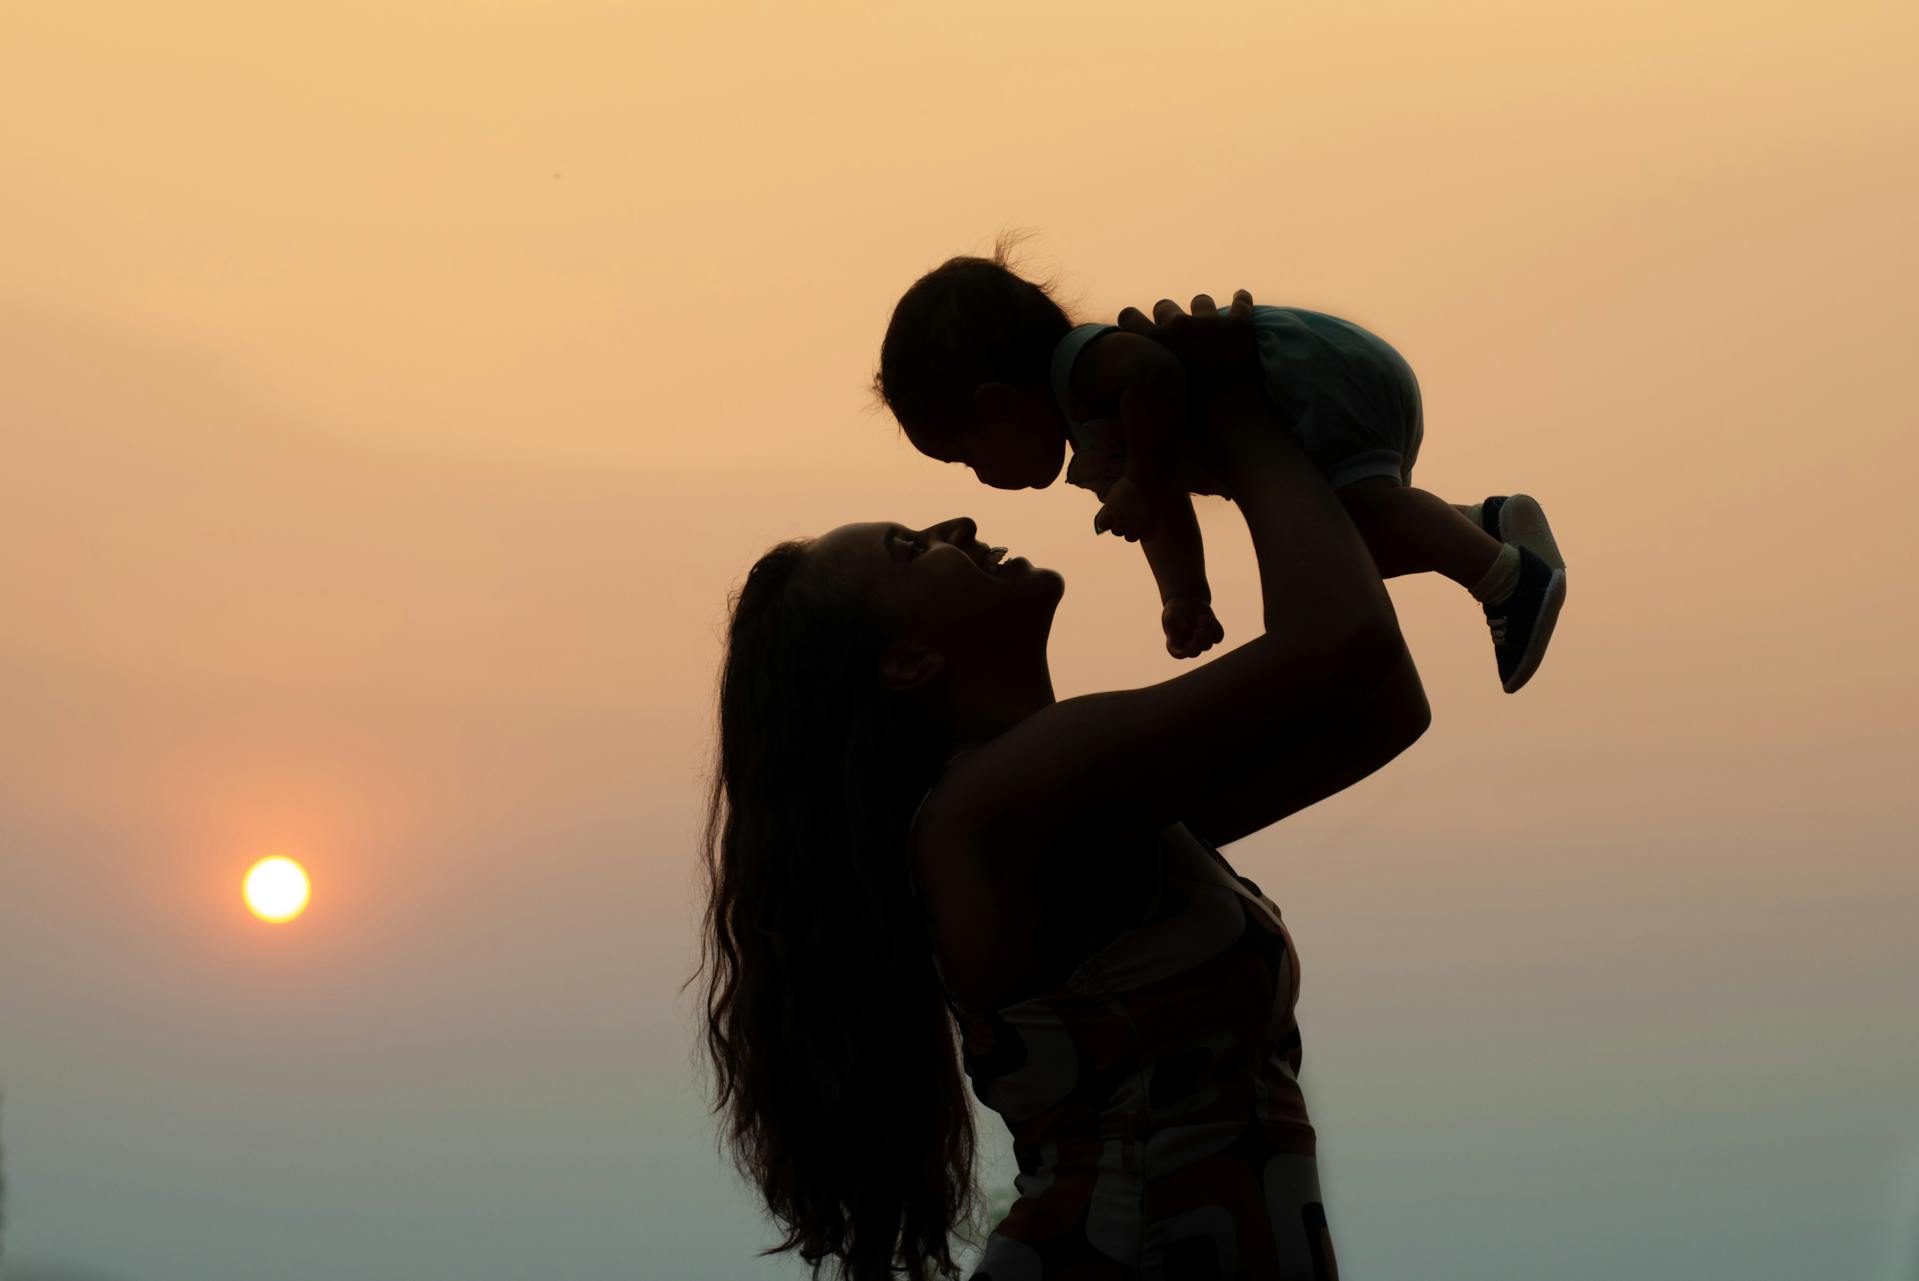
{"x":1153,"y":1097}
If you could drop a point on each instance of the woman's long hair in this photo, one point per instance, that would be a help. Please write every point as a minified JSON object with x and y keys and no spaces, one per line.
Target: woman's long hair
{"x":832,"y":1052}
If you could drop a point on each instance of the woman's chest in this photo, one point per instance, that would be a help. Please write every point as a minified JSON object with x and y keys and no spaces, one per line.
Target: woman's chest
{"x":1017,"y":922}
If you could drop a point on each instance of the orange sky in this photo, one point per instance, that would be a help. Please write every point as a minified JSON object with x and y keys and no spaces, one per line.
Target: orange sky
{"x":391,"y":394}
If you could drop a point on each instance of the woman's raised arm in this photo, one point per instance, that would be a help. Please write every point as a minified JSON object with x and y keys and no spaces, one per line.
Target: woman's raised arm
{"x":1324,"y":697}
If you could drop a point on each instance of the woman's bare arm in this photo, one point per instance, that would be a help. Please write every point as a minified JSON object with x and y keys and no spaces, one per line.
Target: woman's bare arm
{"x":1318,"y":759}
{"x":1322,"y":698}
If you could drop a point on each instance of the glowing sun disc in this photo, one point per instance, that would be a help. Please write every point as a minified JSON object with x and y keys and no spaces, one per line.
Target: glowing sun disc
{"x":276,"y":889}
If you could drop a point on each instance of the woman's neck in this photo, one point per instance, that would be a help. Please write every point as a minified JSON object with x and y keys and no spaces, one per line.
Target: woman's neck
{"x":977,"y":712}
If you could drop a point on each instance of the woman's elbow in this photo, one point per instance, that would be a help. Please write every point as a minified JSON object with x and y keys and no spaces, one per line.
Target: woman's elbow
{"x":1362,"y":670}
{"x":1412,"y":717}
{"x":1368,"y":653}
{"x":1401,"y":713}
{"x":1378,"y":676}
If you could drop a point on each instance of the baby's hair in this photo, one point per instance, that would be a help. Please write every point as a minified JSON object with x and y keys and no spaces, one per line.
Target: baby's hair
{"x":966,"y":322}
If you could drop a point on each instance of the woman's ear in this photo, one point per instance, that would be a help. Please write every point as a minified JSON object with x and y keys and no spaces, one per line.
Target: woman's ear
{"x":907,"y":666}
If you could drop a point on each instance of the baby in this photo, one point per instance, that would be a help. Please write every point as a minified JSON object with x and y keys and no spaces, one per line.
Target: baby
{"x":982,"y":367}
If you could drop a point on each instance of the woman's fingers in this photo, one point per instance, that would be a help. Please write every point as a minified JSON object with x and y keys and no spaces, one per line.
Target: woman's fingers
{"x":1173,"y":325}
{"x":1166,"y":311}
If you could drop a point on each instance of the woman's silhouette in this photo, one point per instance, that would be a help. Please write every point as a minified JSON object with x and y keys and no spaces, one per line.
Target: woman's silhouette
{"x":908,"y":830}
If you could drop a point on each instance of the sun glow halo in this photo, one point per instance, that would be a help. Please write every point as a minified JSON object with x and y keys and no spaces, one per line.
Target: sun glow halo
{"x":276,"y":889}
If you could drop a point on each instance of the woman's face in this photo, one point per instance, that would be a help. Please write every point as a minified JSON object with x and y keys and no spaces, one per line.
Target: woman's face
{"x":952,"y":593}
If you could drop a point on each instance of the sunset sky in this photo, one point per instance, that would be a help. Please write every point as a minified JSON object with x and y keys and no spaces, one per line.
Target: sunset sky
{"x":391,"y":394}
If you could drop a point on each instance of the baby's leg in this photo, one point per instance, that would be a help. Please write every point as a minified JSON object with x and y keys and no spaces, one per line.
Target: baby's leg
{"x":1410,"y":531}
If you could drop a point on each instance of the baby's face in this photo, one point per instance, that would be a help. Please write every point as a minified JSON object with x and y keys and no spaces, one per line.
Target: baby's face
{"x":1018,"y":441}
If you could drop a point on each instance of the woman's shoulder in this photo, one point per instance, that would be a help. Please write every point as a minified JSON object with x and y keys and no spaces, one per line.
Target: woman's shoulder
{"x":963,"y":844}
{"x":965,"y":888}
{"x":1011,"y":911}
{"x":985,"y":798}
{"x":946,"y":814}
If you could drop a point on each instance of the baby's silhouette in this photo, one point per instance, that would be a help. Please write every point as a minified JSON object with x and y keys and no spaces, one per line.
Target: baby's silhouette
{"x":982,"y":367}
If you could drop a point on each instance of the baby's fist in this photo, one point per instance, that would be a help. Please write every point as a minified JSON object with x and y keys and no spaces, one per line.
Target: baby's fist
{"x":1190,"y":626}
{"x":1128,"y":512}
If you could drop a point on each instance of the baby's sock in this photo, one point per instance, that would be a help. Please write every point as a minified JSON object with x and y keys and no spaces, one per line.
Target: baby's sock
{"x":1502,"y":579}
{"x":1472,"y":512}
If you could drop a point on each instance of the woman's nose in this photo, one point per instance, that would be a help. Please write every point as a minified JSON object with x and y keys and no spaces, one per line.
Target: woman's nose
{"x":960,"y":529}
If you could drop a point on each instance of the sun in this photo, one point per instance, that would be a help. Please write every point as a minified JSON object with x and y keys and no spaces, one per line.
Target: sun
{"x":276,"y":889}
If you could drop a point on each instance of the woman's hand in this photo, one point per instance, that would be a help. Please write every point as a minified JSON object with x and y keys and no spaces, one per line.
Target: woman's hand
{"x":1218,"y":348}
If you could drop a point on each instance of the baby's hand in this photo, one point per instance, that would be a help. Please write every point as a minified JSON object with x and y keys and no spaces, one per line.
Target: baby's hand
{"x":1190,"y":627}
{"x":1129,"y":512}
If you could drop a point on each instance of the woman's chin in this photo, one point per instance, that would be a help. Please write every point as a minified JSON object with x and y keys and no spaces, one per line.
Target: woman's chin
{"x":1052,"y":579}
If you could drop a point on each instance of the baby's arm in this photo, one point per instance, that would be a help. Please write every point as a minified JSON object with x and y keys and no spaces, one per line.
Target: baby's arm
{"x":1178,"y":557}
{"x":1147,"y":385}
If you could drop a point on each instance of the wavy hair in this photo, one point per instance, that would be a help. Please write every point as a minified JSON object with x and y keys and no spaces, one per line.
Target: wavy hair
{"x":831,"y":1049}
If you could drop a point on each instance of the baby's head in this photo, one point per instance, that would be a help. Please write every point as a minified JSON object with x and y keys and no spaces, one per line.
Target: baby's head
{"x":966,"y":368}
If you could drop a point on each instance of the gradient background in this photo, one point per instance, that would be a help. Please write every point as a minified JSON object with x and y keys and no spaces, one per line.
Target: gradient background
{"x":392,"y":393}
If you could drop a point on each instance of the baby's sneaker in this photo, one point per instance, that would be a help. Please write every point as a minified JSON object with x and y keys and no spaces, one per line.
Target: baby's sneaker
{"x":1522,"y":624}
{"x":1519,"y":519}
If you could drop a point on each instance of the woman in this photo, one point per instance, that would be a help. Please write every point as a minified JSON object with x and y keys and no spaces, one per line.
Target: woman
{"x":907,"y":826}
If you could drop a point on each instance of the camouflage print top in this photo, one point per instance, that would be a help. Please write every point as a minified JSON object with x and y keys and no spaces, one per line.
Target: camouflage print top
{"x":1153,"y":1098}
